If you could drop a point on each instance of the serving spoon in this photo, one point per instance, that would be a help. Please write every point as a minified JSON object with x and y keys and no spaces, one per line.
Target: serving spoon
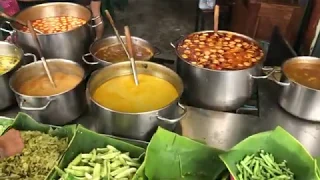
{"x":130,"y":49}
{"x":17,"y":21}
{"x":45,"y":65}
{"x":216,"y":18}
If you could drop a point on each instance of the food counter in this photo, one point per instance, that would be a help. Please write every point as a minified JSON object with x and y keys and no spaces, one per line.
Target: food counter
{"x":224,"y":130}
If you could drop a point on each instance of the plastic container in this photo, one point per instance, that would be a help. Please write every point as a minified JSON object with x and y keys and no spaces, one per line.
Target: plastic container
{"x":10,"y":7}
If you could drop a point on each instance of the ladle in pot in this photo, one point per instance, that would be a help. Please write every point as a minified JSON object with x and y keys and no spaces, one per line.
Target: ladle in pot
{"x":130,"y":49}
{"x":17,"y":21}
{"x":216,"y":18}
{"x":37,"y":43}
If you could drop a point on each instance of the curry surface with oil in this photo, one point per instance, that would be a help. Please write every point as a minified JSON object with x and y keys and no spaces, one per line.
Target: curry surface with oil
{"x":122,"y":95}
{"x":41,"y":85}
{"x":306,"y":74}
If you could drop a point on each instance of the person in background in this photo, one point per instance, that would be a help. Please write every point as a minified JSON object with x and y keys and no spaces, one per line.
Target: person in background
{"x":11,"y":144}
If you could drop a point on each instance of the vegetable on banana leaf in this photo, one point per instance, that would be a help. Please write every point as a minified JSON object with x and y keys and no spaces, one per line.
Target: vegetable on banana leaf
{"x":170,"y":156}
{"x":281,"y":145}
{"x":101,"y":163}
{"x":39,"y":156}
{"x":24,"y":122}
{"x":84,"y":143}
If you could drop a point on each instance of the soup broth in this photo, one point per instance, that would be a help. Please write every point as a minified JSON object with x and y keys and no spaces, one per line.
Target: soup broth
{"x":115,"y":53}
{"x":7,"y":63}
{"x":41,"y":86}
{"x":121,"y":94}
{"x":307,"y":74}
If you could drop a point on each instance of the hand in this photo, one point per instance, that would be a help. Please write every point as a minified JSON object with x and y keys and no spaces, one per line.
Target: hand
{"x":11,"y":143}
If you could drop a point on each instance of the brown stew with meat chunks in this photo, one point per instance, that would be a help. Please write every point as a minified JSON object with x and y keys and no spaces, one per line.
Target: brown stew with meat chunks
{"x":115,"y":53}
{"x":220,"y":51}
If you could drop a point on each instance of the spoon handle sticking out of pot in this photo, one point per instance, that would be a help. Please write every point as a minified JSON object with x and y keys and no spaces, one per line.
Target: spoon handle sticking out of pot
{"x":45,"y":65}
{"x":130,"y":49}
{"x":117,"y":33}
{"x":4,"y":15}
{"x":216,"y":18}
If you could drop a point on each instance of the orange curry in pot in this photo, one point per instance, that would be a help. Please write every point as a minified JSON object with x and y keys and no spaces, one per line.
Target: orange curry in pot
{"x":220,"y":51}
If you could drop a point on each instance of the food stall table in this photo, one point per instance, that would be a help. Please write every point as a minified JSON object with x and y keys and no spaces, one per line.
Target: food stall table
{"x":223,"y":129}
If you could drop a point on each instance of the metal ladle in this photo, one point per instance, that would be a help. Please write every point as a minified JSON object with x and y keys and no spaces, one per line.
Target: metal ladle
{"x":37,"y":43}
{"x":17,"y":21}
{"x":130,"y":49}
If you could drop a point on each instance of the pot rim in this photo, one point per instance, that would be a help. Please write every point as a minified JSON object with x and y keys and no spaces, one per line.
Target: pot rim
{"x":308,"y":58}
{"x":20,"y":59}
{"x":52,"y":3}
{"x":139,"y":113}
{"x":222,"y":71}
{"x":39,"y":62}
{"x":109,"y":37}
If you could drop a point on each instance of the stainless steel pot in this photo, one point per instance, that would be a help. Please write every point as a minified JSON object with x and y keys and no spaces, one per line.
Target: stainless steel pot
{"x":7,"y":97}
{"x":66,"y":45}
{"x":109,"y":41}
{"x":139,"y":126}
{"x":297,"y":99}
{"x":217,"y":89}
{"x":57,"y":109}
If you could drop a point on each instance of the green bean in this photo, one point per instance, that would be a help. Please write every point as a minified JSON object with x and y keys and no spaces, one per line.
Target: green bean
{"x":75,"y":172}
{"x":96,"y":172}
{"x":82,"y":168}
{"x":126,"y":173}
{"x":120,"y":170}
{"x":75,"y":161}
{"x":260,"y":166}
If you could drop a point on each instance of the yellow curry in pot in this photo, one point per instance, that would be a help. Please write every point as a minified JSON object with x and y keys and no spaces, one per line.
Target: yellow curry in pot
{"x":122,"y":95}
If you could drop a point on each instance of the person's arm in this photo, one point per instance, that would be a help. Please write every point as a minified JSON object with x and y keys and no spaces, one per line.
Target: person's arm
{"x":95,"y":6}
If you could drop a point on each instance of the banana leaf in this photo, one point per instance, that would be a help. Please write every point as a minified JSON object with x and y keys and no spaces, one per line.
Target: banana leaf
{"x":24,"y":122}
{"x":282,"y":145}
{"x":86,"y":140}
{"x":171,"y":156}
{"x":5,"y":123}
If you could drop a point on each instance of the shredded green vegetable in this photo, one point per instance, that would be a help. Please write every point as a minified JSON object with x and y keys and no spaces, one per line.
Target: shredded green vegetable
{"x":39,"y":156}
{"x":101,"y":163}
{"x":262,"y":166}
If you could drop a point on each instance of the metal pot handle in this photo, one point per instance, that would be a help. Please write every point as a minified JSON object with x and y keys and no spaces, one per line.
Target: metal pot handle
{"x":34,"y":108}
{"x":172,"y":121}
{"x":157,"y":51}
{"x":271,"y":73}
{"x":176,"y":41}
{"x":87,"y":62}
{"x":35,"y":59}
{"x":7,"y":31}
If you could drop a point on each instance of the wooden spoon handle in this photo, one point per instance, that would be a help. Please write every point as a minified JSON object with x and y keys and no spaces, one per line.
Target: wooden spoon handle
{"x":129,"y":41}
{"x":216,"y":18}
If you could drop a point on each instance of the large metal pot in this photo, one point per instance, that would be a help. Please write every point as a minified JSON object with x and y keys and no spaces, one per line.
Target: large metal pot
{"x":109,"y":41}
{"x":57,"y":109}
{"x":135,"y":125}
{"x":295,"y":98}
{"x":66,"y":45}
{"x":7,"y":97}
{"x":217,"y":89}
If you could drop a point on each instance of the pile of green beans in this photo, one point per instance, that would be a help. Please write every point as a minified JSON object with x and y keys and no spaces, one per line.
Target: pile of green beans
{"x":262,"y":166}
{"x":101,"y":163}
